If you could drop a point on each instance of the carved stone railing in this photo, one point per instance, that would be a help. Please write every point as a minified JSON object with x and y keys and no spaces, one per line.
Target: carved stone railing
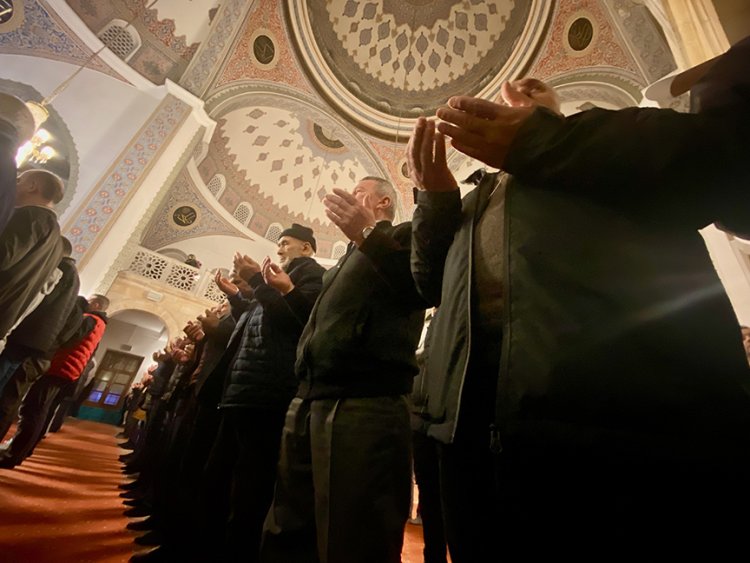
{"x":175,"y":274}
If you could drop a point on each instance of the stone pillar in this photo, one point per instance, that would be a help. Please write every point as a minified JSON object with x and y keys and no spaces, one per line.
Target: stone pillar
{"x":698,"y":29}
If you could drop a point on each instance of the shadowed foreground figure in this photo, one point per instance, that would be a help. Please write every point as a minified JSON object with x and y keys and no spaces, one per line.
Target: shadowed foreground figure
{"x":622,"y":413}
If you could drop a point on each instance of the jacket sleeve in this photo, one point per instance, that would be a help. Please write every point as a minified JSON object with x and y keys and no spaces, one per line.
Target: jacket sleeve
{"x":640,"y":151}
{"x":76,"y":325}
{"x":238,"y":305}
{"x":295,"y":307}
{"x":390,"y":254}
{"x":437,"y":217}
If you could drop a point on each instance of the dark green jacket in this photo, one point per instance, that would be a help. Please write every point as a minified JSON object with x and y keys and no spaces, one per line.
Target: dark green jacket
{"x":442,"y":263}
{"x":30,"y":250}
{"x":362,"y":334}
{"x":619,"y":336}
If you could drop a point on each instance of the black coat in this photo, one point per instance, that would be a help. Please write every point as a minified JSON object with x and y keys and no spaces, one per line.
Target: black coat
{"x":30,"y":250}
{"x":266,"y":336}
{"x":8,"y":148}
{"x":55,"y":321}
{"x":362,"y":335}
{"x":618,"y":337}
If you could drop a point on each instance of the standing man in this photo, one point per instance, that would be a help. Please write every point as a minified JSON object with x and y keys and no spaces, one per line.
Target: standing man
{"x":65,"y":369}
{"x":344,"y":483}
{"x":622,"y":412}
{"x":260,"y":383}
{"x":30,"y":250}
{"x":458,"y":265}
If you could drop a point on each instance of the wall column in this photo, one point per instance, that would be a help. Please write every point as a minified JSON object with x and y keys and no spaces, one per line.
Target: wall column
{"x":101,"y":225}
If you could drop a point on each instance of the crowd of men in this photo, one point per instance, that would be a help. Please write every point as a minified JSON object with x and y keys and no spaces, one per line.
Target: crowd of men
{"x":48,"y":333}
{"x":584,"y":390}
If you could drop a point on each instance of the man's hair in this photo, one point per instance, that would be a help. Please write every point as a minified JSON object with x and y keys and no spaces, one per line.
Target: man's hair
{"x":50,"y":185}
{"x":101,"y":300}
{"x":67,"y":247}
{"x":385,"y":189}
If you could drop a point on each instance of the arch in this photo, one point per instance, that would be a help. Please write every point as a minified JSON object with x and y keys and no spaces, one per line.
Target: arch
{"x":339,"y":249}
{"x":121,"y":39}
{"x":174,"y":253}
{"x":119,"y":304}
{"x":243,"y":213}
{"x":217,"y":184}
{"x":274,"y":232}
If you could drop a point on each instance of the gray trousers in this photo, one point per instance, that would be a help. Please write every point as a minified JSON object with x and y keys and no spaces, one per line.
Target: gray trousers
{"x":343,"y":488}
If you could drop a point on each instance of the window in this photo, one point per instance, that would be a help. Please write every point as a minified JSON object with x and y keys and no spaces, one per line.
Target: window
{"x":339,"y":249}
{"x":274,"y":232}
{"x":113,"y":379}
{"x":243,"y":213}
{"x":123,"y":41}
{"x":217,"y":185}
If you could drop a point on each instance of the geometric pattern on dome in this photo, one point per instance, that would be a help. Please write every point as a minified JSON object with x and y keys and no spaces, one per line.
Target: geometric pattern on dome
{"x":282,"y":155}
{"x":440,"y":49}
{"x":403,"y":58}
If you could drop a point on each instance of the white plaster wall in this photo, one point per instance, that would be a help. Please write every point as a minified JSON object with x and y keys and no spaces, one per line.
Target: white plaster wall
{"x":101,"y":112}
{"x":144,"y":342}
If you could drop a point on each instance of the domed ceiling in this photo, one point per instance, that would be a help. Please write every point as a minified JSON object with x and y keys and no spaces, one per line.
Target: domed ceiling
{"x":281,"y":153}
{"x":385,"y":61}
{"x":309,"y":95}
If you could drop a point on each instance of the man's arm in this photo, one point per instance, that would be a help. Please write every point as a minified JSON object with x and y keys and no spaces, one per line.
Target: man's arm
{"x":438,"y":212}
{"x":435,"y":222}
{"x":633,"y":146}
{"x":238,"y":304}
{"x":294,"y":307}
{"x":390,"y":254}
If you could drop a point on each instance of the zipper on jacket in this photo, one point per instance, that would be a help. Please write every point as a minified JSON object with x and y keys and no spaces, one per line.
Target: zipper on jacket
{"x":468,"y":311}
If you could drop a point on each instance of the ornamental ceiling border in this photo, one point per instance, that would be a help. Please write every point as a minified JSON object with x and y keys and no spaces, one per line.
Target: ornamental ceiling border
{"x":381,"y":123}
{"x":208,"y":60}
{"x":244,"y":94}
{"x":618,"y":86}
{"x":642,"y":33}
{"x":43,"y":33}
{"x":161,"y":230}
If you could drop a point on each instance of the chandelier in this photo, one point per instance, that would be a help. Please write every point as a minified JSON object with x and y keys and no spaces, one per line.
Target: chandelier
{"x":36,"y":150}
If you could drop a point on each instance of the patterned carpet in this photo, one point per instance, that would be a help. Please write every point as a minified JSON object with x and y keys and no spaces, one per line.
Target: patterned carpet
{"x":62,"y":505}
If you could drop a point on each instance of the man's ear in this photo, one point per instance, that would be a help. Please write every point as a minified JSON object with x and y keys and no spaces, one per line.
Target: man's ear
{"x":384,"y":203}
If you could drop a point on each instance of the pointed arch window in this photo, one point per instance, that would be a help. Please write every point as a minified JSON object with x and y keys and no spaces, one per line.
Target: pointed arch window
{"x":122,"y":40}
{"x":243,"y":213}
{"x":274,"y":232}
{"x":217,"y":185}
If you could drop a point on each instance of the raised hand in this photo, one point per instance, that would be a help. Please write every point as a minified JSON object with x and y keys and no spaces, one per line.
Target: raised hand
{"x":227,"y":287}
{"x":194,"y":331}
{"x":209,"y":320}
{"x":348,"y":214}
{"x":245,"y":266}
{"x":481,"y":129}
{"x":425,"y":157}
{"x":276,"y":277}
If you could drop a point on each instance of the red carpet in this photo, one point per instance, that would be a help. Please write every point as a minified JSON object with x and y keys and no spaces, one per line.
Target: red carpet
{"x":62,"y":504}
